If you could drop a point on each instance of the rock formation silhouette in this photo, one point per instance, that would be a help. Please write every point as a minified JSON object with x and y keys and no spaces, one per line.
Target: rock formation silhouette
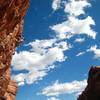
{"x":12,"y":13}
{"x":92,"y":91}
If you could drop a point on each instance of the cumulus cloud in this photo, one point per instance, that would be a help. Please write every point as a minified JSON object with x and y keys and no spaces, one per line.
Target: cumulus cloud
{"x":56,"y":4}
{"x":76,"y":7}
{"x":80,"y":53}
{"x":57,"y":88}
{"x":39,"y":46}
{"x":95,"y":50}
{"x":79,"y":40}
{"x":75,"y":26}
{"x":38,"y":60}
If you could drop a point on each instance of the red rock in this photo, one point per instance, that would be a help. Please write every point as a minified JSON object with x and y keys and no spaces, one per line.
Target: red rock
{"x":12,"y":14}
{"x":92,"y":91}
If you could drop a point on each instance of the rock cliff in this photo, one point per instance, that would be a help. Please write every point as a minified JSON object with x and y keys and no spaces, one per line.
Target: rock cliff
{"x":12,"y":13}
{"x":92,"y":91}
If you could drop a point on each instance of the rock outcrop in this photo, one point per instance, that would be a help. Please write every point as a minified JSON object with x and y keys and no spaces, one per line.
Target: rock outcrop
{"x":12,"y":13}
{"x":92,"y":91}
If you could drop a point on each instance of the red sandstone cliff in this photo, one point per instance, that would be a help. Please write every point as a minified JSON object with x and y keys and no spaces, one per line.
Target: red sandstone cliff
{"x":12,"y":13}
{"x":92,"y":91}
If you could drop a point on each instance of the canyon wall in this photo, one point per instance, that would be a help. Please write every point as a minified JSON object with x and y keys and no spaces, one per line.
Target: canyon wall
{"x":12,"y":14}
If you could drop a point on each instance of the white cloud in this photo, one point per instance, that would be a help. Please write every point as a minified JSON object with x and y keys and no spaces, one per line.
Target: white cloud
{"x":75,"y":26}
{"x":20,"y":79}
{"x":80,"y":53}
{"x":39,"y":46}
{"x":37,"y":63}
{"x":56,"y":4}
{"x":53,"y":98}
{"x":76,"y":8}
{"x":44,"y":53}
{"x":96,"y":51}
{"x":64,"y":88}
{"x":79,"y":40}
{"x":63,"y":45}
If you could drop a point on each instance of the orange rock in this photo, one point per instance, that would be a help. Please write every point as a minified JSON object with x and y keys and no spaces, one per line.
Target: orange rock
{"x":12,"y":88}
{"x":12,"y":14}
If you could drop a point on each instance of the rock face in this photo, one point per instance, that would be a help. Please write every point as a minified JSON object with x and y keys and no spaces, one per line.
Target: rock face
{"x":92,"y":91}
{"x":12,"y":13}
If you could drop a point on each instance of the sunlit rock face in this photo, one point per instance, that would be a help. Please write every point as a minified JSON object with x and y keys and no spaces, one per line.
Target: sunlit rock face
{"x":92,"y":91}
{"x":12,"y":13}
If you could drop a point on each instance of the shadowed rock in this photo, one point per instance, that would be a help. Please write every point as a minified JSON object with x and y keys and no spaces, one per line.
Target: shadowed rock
{"x":92,"y":91}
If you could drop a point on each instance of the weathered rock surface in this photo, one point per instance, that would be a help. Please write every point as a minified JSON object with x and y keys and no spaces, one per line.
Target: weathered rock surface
{"x":92,"y":91}
{"x":12,"y":13}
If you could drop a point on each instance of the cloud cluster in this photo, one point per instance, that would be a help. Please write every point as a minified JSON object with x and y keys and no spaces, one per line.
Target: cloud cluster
{"x":74,"y":87}
{"x":95,"y":50}
{"x":35,"y":63}
{"x":38,"y":60}
{"x":73,"y":25}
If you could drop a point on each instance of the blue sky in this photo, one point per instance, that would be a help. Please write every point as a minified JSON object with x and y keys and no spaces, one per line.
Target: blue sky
{"x":61,"y":44}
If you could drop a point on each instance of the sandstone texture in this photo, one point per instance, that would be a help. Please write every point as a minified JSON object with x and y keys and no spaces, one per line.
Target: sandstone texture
{"x":92,"y":91}
{"x":12,"y":14}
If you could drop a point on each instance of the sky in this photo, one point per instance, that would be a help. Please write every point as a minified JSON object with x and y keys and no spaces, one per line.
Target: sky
{"x":61,"y":44}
